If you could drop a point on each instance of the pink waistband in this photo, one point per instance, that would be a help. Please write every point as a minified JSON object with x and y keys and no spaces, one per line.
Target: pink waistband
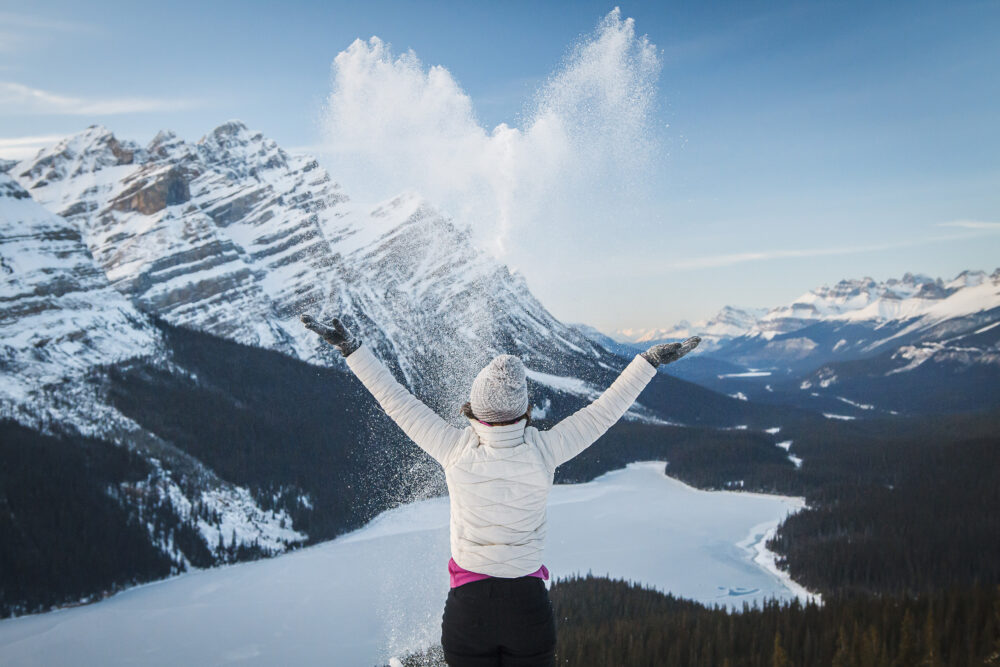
{"x":459,"y":575}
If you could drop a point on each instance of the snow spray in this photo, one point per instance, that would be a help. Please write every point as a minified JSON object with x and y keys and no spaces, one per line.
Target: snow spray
{"x":393,"y":124}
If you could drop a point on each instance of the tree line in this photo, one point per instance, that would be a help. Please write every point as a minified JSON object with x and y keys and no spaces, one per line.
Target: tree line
{"x":603,"y":622}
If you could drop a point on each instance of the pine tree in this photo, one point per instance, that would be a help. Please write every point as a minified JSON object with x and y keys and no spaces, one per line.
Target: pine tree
{"x":842,"y":657}
{"x":909,"y":650}
{"x":994,"y":657}
{"x":932,"y":657}
{"x":779,"y":657}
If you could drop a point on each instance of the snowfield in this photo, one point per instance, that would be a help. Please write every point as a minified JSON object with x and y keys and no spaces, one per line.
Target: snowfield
{"x":379,"y":592}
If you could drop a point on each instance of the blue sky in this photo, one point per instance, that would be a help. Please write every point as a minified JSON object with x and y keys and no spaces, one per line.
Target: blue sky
{"x":789,"y":145}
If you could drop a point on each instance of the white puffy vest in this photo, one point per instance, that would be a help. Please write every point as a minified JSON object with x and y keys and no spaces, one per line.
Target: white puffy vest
{"x":499,"y":477}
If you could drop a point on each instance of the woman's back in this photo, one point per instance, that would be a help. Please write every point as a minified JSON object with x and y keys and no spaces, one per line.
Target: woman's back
{"x":499,"y":485}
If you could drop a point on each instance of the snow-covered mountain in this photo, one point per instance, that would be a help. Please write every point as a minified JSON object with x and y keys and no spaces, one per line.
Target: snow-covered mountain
{"x":728,"y":323}
{"x":233,"y":236}
{"x":59,"y":317}
{"x":869,"y":317}
{"x":873,"y":340}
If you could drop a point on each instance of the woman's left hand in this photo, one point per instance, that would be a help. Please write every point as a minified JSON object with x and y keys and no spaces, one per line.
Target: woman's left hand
{"x":668,"y":352}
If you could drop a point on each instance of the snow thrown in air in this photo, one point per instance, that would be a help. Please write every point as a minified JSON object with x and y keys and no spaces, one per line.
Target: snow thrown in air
{"x":391,"y":124}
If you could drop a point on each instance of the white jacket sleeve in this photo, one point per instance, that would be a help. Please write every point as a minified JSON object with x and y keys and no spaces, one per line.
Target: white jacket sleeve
{"x":581,"y":429}
{"x":421,"y":424}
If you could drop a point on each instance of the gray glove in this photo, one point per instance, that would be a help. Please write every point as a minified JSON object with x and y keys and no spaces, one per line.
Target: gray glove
{"x":334,"y":333}
{"x":664,"y":354}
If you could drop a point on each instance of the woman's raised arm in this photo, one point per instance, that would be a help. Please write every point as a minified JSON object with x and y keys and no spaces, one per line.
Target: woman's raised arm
{"x":581,"y":429}
{"x":421,"y":424}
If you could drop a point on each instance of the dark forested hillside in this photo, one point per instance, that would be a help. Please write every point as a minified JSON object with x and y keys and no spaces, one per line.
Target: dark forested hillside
{"x":896,"y":505}
{"x":63,"y":536}
{"x":283,"y":428}
{"x":934,"y":526}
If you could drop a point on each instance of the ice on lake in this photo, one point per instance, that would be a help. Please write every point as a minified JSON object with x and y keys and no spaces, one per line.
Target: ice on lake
{"x":380,"y":591}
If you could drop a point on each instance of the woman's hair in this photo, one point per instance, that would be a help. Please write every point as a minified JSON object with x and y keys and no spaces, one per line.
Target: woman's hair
{"x":466,"y":410}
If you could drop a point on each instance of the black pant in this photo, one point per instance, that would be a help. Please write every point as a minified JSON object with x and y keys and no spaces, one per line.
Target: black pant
{"x":498,"y":622}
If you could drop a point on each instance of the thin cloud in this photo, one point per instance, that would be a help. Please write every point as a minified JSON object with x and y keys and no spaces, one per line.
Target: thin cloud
{"x":16,"y":98}
{"x":19,"y":148}
{"x":971,"y":224}
{"x":24,"y":31}
{"x":26,"y":21}
{"x":714,"y":261}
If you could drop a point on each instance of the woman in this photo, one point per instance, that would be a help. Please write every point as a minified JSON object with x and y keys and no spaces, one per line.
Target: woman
{"x":499,"y":472}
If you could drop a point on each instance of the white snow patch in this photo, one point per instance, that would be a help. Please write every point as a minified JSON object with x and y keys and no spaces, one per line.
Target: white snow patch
{"x":915,"y":354}
{"x":862,"y":406}
{"x":773,"y":430}
{"x":986,"y":328}
{"x":756,"y":544}
{"x":569,"y":385}
{"x":740,"y":396}
{"x":747,"y":374}
{"x":830,"y":415}
{"x":541,"y":411}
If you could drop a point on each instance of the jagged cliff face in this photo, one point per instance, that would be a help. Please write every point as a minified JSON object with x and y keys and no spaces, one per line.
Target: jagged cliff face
{"x":59,"y":316}
{"x":221,"y":235}
{"x":234,"y":236}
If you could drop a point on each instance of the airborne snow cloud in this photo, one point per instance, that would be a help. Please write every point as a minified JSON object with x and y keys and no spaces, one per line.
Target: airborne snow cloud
{"x":392,"y":123}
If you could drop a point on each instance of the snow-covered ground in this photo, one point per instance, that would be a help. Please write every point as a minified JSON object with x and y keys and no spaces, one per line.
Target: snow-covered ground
{"x":379,"y":592}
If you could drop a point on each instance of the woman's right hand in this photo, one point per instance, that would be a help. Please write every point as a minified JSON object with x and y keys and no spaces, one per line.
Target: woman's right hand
{"x":334,"y":333}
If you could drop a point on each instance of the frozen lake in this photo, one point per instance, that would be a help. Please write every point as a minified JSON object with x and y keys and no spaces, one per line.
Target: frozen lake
{"x":380,"y":591}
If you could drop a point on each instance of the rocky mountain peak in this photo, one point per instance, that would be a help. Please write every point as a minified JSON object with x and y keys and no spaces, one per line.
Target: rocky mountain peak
{"x":90,"y":151}
{"x":167,"y":146}
{"x":242,"y":152}
{"x":916,"y":279}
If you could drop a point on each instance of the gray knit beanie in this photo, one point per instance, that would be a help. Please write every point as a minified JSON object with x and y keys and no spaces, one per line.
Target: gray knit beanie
{"x":500,"y":391}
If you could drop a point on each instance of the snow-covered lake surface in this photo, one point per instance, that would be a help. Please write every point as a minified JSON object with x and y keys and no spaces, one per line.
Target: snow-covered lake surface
{"x":380,"y":591}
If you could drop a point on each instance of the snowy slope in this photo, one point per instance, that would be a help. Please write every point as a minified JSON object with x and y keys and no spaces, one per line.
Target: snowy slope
{"x":380,"y":591}
{"x":233,"y":236}
{"x":59,"y":317}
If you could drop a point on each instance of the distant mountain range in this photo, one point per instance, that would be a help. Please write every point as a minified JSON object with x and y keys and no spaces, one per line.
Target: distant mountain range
{"x":904,"y":345}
